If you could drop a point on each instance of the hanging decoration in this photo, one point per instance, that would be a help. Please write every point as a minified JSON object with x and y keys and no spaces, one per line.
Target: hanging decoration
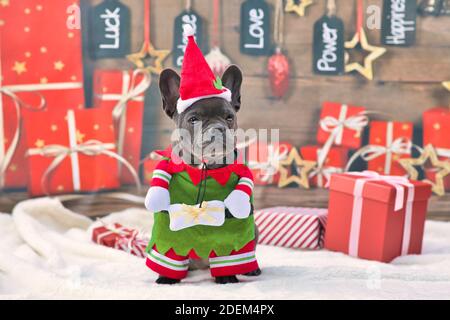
{"x":398,"y":26}
{"x":442,"y":168}
{"x":359,"y":41}
{"x":434,"y":8}
{"x":255,"y":28}
{"x":217,"y":61}
{"x":109,"y":30}
{"x":188,"y":16}
{"x":328,"y":48}
{"x":297,"y":6}
{"x":302,"y":170}
{"x":148,"y":51}
{"x":278,"y":64}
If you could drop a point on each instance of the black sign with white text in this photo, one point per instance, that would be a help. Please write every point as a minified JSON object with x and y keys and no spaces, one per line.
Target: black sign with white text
{"x":109,"y":30}
{"x":328,"y":46}
{"x":255,"y":28}
{"x":399,"y":22}
{"x":179,"y":41}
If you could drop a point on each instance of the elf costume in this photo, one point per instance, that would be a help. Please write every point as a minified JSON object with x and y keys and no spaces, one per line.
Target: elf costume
{"x":199,"y":212}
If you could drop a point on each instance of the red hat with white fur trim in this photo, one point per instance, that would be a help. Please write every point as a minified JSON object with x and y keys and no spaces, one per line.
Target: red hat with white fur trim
{"x":197,"y":79}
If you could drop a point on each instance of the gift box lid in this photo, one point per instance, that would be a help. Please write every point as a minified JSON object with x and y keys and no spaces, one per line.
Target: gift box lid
{"x":376,"y":189}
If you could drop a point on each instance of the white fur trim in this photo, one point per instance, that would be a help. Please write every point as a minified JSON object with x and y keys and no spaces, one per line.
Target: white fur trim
{"x":157,"y":199}
{"x":188,"y":30}
{"x":238,"y":203}
{"x":182,"y":105}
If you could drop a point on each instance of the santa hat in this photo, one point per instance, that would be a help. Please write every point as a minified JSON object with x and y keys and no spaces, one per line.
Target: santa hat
{"x":197,"y":80}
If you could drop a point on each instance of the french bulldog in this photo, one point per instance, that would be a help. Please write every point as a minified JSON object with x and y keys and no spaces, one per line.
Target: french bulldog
{"x":216,"y":116}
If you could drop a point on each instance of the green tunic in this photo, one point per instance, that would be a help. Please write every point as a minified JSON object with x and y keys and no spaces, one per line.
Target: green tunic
{"x":232,"y":235}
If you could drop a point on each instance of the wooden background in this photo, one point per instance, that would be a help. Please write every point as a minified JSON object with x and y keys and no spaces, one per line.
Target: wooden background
{"x":407,"y":81}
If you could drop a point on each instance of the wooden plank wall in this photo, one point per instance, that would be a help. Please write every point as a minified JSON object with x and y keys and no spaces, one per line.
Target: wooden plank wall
{"x":407,"y":80}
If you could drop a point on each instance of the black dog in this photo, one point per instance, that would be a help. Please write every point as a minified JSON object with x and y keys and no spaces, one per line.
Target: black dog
{"x":214,"y":114}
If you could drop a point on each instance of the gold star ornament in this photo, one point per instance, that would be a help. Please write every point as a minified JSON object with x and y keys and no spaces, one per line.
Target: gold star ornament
{"x":428,"y":154}
{"x":298,"y":7}
{"x":148,"y":51}
{"x":360,"y":40}
{"x":303,"y":169}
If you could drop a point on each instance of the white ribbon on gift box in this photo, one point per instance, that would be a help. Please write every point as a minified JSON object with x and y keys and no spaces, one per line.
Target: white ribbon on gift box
{"x":322,"y":172}
{"x":210,"y":213}
{"x":269,"y":168}
{"x":400,"y":145}
{"x":90,"y":148}
{"x":336,"y":128}
{"x":10,"y":91}
{"x":131,"y":91}
{"x":398,"y":183}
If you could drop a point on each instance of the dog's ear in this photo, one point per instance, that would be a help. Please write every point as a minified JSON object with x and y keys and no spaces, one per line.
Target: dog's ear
{"x":169,"y":85}
{"x":232,"y":79}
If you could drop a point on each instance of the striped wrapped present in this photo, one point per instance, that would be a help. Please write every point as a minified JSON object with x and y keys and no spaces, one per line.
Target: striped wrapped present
{"x":292,"y":227}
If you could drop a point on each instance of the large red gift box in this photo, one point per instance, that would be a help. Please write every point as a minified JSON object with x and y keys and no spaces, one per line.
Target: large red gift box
{"x":121,"y":93}
{"x":388,"y":142}
{"x":71,"y":152}
{"x":263,"y":161}
{"x":436,"y":131}
{"x":40,"y":65}
{"x":334,"y":162}
{"x":342,"y":124}
{"x":376,"y":217}
{"x":291,"y":227}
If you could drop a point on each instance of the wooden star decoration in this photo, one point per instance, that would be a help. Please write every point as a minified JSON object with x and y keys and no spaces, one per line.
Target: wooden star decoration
{"x":446,"y":85}
{"x":365,"y":70}
{"x":299,"y":8}
{"x":303,"y":167}
{"x":148,"y":51}
{"x":428,"y":154}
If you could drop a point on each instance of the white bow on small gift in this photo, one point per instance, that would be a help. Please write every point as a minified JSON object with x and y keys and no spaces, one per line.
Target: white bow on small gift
{"x":209,"y":213}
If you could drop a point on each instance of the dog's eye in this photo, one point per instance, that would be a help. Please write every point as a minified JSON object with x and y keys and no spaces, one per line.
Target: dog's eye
{"x":193,"y":120}
{"x":230,"y":118}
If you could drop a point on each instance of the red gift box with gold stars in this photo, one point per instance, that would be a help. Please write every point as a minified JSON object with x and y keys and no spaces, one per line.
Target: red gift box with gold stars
{"x":40,"y":66}
{"x":121,"y":93}
{"x":436,"y":131}
{"x":389,"y":141}
{"x":71,"y":152}
{"x":343,"y":124}
{"x":334,"y":162}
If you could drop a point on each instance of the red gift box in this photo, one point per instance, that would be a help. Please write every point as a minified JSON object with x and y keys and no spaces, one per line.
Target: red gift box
{"x":119,"y":237}
{"x":436,"y":131}
{"x":263,"y":161}
{"x":334,"y":162}
{"x":72,"y":152}
{"x":291,"y":227}
{"x":395,"y":140}
{"x":376,"y":217}
{"x":41,"y":65}
{"x":107,"y":235}
{"x":135,"y":244}
{"x":121,"y":93}
{"x":341,"y":125}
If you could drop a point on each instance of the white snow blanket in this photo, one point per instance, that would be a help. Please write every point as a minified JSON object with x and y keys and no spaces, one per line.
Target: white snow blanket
{"x":46,"y":252}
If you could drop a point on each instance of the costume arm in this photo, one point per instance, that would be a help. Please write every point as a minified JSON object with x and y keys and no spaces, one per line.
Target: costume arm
{"x":238,"y":201}
{"x":158,"y":198}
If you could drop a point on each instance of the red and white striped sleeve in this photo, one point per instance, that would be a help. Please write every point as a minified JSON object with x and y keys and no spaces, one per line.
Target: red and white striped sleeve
{"x":245,"y":182}
{"x":161,"y":175}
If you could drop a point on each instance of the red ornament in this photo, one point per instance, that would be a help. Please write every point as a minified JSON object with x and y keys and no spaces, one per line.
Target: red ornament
{"x":278,"y":67}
